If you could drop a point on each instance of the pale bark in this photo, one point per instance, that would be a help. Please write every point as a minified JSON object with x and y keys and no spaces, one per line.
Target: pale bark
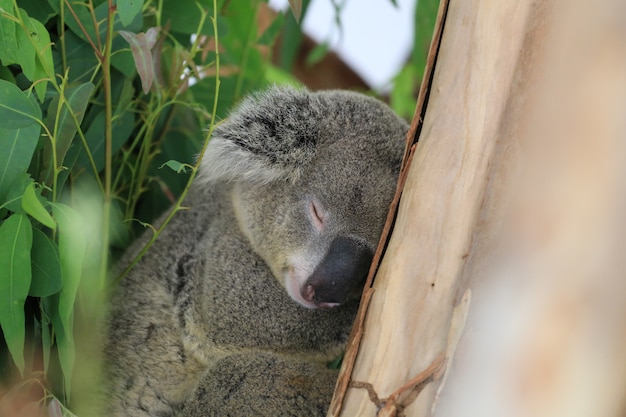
{"x":509,"y":238}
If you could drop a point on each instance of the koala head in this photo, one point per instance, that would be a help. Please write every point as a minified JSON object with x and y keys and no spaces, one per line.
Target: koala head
{"x":312,"y":178}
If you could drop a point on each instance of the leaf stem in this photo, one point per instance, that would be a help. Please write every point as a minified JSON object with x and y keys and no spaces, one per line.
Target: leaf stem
{"x":194,"y":171}
{"x":96,"y":50}
{"x":108,"y":140}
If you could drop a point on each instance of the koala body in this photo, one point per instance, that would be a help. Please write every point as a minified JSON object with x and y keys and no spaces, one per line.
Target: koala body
{"x":248,"y":294}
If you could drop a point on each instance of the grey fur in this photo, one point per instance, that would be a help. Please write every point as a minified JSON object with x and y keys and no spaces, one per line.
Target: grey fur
{"x":203,"y":325}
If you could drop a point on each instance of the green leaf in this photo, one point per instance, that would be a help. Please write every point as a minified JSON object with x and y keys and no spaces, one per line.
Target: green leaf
{"x":87,"y":21}
{"x":32,"y":206}
{"x":122,"y":129}
{"x":425,"y":18}
{"x":69,"y":162}
{"x":46,"y":337}
{"x":79,"y":56}
{"x":45,"y":266}
{"x":336,"y":363}
{"x":275,"y":75}
{"x":317,"y":54}
{"x":38,"y":9}
{"x":141,"y":45}
{"x":184,"y":16}
{"x":6,"y":74}
{"x":271,"y":33}
{"x":128,"y":9}
{"x":8,"y":39}
{"x":25,"y":52}
{"x":175,"y":166}
{"x":71,"y":256}
{"x":15,"y":245}
{"x":181,"y":141}
{"x":14,"y":196}
{"x":122,"y":58}
{"x":35,"y":48}
{"x":6,"y":6}
{"x":60,"y":120}
{"x":64,"y":338}
{"x":296,"y":9}
{"x":78,"y":7}
{"x":16,"y":109}
{"x":125,"y":99}
{"x":100,"y":27}
{"x":403,"y":96}
{"x":18,"y":146}
{"x":291,"y":39}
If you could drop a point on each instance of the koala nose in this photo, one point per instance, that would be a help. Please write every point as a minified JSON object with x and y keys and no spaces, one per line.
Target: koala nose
{"x":343,"y":268}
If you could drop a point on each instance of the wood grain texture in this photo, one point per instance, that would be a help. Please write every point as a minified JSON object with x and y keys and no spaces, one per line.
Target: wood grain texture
{"x":517,"y":169}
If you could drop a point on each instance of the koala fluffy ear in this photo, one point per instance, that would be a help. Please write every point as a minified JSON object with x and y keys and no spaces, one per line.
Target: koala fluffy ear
{"x":271,"y":136}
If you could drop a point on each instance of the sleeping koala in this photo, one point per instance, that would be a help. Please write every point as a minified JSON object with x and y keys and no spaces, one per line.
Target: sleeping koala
{"x":247,"y":295}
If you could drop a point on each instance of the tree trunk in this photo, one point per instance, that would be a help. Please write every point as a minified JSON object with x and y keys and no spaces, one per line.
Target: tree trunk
{"x":501,"y":289}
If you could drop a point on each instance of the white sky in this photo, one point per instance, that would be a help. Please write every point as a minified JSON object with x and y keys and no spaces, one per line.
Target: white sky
{"x":377,"y":36}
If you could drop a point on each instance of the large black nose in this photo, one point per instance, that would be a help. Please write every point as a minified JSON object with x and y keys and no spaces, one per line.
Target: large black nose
{"x":343,"y":268}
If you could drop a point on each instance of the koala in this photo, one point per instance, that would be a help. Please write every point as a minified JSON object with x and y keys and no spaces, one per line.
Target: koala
{"x":249,"y":293}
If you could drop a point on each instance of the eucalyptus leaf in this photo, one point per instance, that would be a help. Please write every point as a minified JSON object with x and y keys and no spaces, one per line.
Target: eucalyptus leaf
{"x":64,"y":338}
{"x":61,"y":122}
{"x":13,"y":200}
{"x":46,"y":338}
{"x":45,"y":266}
{"x":77,"y":8}
{"x":317,"y":54}
{"x":16,"y":109}
{"x":18,"y":146}
{"x":79,"y":58}
{"x":35,"y":48}
{"x":15,"y":246}
{"x":32,"y":206}
{"x":6,"y":74}
{"x":8,"y":39}
{"x":296,"y":9}
{"x":122,"y":129}
{"x":140,"y":45}
{"x":25,"y":53}
{"x":71,"y":255}
{"x":38,"y":9}
{"x":184,"y":16}
{"x":46,"y":330}
{"x":176,"y":166}
{"x":271,"y":33}
{"x":128,"y":9}
{"x":6,"y":6}
{"x":92,"y":29}
{"x":291,"y":39}
{"x":402,"y":98}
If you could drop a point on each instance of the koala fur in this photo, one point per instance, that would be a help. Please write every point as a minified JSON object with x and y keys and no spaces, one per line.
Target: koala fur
{"x":247,"y":295}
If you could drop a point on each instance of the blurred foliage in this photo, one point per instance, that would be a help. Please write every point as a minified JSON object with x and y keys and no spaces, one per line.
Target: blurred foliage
{"x":104,"y":108}
{"x":405,"y":84}
{"x":408,"y":80}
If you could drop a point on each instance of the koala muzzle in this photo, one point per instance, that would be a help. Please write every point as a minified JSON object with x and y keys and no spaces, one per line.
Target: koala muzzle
{"x":342,"y":270}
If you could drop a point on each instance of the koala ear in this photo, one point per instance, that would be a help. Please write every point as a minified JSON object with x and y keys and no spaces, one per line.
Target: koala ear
{"x":271,"y":136}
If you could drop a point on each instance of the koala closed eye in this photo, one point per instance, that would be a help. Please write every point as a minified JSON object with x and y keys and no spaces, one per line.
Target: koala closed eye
{"x":317,"y":214}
